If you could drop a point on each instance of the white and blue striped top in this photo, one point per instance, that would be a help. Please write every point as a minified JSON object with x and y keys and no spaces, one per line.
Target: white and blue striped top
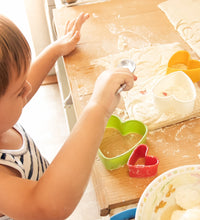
{"x":27,"y":160}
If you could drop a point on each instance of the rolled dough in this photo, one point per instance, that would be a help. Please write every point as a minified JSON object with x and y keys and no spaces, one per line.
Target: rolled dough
{"x":151,"y":63}
{"x":185,"y":17}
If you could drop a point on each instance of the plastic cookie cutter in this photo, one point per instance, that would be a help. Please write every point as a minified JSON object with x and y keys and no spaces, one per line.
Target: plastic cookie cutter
{"x":126,"y":63}
{"x":149,"y":164}
{"x":175,"y":92}
{"x":125,"y":215}
{"x":124,"y":128}
{"x":181,"y":61}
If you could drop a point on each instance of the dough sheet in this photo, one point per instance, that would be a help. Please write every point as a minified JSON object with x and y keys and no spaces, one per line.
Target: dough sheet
{"x":185,"y":17}
{"x":151,"y":64}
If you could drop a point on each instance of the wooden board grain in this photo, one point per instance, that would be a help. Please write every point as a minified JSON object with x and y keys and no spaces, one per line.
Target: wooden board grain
{"x":146,"y":25}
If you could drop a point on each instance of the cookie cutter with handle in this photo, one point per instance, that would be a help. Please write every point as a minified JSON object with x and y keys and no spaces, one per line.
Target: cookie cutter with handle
{"x":126,"y":63}
{"x":150,"y":166}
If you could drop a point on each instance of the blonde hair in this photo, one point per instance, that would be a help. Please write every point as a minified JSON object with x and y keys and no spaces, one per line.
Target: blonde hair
{"x":15,"y":52}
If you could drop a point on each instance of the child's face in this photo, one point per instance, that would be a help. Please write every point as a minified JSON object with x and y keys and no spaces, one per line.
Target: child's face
{"x":13,"y":101}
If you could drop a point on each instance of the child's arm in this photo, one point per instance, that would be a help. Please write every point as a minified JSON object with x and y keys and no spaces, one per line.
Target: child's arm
{"x":58,"y":192}
{"x":63,"y":46}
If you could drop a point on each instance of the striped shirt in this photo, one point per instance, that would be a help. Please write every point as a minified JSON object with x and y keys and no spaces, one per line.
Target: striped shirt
{"x":27,"y":160}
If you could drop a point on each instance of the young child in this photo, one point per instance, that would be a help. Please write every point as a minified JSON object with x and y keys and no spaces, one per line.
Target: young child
{"x":30,"y":188}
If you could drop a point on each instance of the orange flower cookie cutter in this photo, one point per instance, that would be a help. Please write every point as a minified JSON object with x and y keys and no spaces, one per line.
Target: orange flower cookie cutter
{"x":181,"y":61}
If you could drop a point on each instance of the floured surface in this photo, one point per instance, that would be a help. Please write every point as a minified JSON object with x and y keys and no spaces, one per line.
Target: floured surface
{"x":185,"y":17}
{"x":151,"y":63}
{"x":146,"y":25}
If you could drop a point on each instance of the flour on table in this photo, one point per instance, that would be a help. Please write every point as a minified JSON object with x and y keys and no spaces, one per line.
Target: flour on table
{"x":185,"y":17}
{"x":151,"y":64}
{"x":122,"y":42}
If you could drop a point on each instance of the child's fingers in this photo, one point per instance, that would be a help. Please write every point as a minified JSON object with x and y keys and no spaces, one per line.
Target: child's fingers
{"x":128,"y":78}
{"x":134,"y":77}
{"x":69,"y":25}
{"x":85,"y":17}
{"x":80,"y":20}
{"x":129,"y":85}
{"x":66,"y":26}
{"x":75,"y":37}
{"x":76,"y":24}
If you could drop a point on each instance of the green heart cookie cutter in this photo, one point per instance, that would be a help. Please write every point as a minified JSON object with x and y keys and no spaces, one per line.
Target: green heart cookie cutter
{"x":125,"y":128}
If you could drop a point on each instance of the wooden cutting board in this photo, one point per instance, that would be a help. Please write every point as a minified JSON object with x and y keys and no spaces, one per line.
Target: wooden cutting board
{"x":146,"y":24}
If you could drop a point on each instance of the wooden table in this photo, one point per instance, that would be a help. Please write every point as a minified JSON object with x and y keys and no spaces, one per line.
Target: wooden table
{"x":175,"y":145}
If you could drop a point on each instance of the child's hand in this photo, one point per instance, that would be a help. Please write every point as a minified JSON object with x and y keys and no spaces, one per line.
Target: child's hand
{"x":72,"y":34}
{"x":106,"y":87}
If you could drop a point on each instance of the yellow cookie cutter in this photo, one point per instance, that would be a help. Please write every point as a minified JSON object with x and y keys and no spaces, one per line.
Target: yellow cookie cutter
{"x":181,"y":61}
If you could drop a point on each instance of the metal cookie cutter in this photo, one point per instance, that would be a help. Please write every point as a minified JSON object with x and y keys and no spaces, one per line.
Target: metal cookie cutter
{"x":150,"y":166}
{"x":126,"y":64}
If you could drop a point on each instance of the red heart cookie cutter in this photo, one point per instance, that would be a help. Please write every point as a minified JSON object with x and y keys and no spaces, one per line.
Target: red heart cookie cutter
{"x":148,"y":168}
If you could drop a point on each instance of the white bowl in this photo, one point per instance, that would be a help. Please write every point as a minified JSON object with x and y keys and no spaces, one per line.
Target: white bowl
{"x":175,"y":92}
{"x":156,"y":203}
